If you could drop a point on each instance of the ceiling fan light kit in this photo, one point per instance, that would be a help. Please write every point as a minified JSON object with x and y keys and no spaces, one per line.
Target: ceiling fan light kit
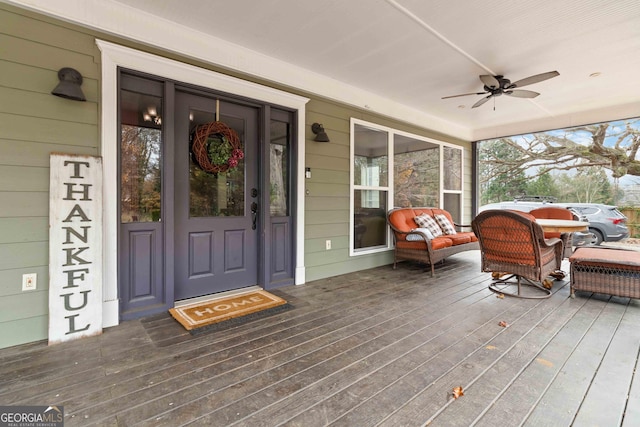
{"x":499,"y":85}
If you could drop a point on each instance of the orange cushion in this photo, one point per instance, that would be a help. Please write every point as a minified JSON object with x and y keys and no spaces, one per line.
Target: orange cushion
{"x":600,"y":257}
{"x":402,"y":219}
{"x":441,"y":242}
{"x":459,"y":238}
{"x":470,"y":234}
{"x":436,"y":243}
{"x":552,"y":212}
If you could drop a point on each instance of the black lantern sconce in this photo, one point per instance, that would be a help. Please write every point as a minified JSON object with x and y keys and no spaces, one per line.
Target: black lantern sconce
{"x":69,"y":86}
{"x":321,"y":135}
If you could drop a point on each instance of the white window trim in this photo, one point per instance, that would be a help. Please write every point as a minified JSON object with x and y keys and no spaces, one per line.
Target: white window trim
{"x":391,"y":132}
{"x":114,"y":56}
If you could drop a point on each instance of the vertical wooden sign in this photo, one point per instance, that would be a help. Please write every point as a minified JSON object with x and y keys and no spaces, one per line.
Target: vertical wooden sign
{"x":75,"y":247}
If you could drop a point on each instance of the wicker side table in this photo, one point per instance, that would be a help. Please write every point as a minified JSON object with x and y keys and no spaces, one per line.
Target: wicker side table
{"x":607,"y":271}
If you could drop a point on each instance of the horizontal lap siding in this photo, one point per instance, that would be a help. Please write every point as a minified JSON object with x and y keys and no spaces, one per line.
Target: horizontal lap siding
{"x":327,"y":192}
{"x":33,"y":123}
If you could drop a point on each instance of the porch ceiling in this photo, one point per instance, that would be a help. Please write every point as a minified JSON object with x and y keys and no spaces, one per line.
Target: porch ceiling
{"x":412,"y":53}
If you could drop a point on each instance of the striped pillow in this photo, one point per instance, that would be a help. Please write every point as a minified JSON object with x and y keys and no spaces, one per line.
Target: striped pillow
{"x":425,"y":221}
{"x":445,"y":224}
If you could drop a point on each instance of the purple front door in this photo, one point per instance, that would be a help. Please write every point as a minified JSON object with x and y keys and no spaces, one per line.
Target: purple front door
{"x":216,"y":213}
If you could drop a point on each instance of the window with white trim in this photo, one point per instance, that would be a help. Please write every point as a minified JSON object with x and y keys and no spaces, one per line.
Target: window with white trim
{"x":390,"y":168}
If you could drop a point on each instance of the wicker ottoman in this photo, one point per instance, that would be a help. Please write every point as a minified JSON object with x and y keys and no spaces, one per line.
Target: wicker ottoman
{"x":606,"y":271}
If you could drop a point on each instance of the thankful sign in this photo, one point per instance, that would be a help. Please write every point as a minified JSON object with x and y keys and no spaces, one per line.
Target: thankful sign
{"x":75,"y":247}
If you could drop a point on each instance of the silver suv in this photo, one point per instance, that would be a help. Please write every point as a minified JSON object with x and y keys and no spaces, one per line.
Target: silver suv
{"x":606,"y":222}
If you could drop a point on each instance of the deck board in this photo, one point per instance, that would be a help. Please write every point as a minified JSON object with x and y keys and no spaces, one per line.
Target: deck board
{"x":607,"y":396}
{"x":565,"y":396}
{"x":380,"y":347}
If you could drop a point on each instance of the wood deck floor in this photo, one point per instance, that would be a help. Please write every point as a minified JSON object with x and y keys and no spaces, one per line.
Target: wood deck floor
{"x":380,"y":347}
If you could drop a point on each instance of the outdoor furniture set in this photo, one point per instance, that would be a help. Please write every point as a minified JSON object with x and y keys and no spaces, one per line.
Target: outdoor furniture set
{"x":516,"y":244}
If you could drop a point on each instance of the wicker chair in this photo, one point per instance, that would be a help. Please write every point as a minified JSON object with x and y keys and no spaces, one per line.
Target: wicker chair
{"x":553,"y":212}
{"x":512,"y":243}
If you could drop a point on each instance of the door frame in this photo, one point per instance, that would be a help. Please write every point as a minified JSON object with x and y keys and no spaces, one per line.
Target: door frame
{"x":114,"y":56}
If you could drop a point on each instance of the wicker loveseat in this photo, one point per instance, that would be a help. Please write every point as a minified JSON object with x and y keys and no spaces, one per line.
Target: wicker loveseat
{"x":426,"y":248}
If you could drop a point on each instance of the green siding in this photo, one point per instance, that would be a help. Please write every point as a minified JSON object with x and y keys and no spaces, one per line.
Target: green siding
{"x":17,"y":205}
{"x":349,"y":265}
{"x":318,"y":217}
{"x":33,"y":123}
{"x":29,"y":153}
{"x":21,"y":178}
{"x":24,"y":330}
{"x":19,"y":255}
{"x":25,"y":305}
{"x":24,"y":229}
{"x":36,"y":129}
{"x":20,"y":102}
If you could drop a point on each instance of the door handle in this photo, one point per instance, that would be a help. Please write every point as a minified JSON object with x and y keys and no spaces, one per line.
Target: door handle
{"x":254,"y":214}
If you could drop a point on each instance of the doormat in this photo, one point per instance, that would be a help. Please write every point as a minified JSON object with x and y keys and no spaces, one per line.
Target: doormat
{"x":246,"y":306}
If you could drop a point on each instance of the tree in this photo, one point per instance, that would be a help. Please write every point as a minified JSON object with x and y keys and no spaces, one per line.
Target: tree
{"x":416,"y":178}
{"x":498,"y":180}
{"x":140,"y":173}
{"x":613,"y":146}
{"x":587,"y":185}
{"x":543,"y":185}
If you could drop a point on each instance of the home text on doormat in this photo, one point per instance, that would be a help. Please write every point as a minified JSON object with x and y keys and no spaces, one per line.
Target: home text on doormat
{"x":204,"y":313}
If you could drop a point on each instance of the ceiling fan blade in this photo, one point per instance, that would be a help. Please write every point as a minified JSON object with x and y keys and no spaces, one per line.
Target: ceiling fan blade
{"x":490,"y":81}
{"x":535,"y":79}
{"x":482,"y":101}
{"x":464,"y":94}
{"x":521,"y":93}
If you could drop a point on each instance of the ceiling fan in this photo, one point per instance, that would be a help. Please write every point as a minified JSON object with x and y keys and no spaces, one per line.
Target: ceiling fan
{"x":498,"y":85}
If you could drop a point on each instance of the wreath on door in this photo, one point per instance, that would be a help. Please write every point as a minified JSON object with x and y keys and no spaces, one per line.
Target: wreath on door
{"x":215,"y":147}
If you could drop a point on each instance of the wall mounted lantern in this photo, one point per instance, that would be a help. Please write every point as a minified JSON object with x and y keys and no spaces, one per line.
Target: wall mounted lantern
{"x":69,"y":86}
{"x":321,"y":135}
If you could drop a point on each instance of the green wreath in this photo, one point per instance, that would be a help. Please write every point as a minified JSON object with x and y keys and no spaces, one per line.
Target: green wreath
{"x":216,"y":147}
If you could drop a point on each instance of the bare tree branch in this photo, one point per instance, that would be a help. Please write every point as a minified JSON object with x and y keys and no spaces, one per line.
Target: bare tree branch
{"x":612,"y":147}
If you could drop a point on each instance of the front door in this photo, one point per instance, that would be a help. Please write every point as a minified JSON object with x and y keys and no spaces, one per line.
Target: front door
{"x":215,"y":196}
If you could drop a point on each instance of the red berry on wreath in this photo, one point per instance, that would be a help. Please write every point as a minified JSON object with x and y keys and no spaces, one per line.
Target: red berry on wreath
{"x":238,"y":154}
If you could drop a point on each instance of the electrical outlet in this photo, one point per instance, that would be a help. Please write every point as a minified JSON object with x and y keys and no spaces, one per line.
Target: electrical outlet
{"x":29,"y":281}
{"x":328,"y":244}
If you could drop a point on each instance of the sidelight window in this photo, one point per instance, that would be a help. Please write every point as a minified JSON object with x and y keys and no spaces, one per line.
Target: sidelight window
{"x":140,"y":151}
{"x":279,"y":168}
